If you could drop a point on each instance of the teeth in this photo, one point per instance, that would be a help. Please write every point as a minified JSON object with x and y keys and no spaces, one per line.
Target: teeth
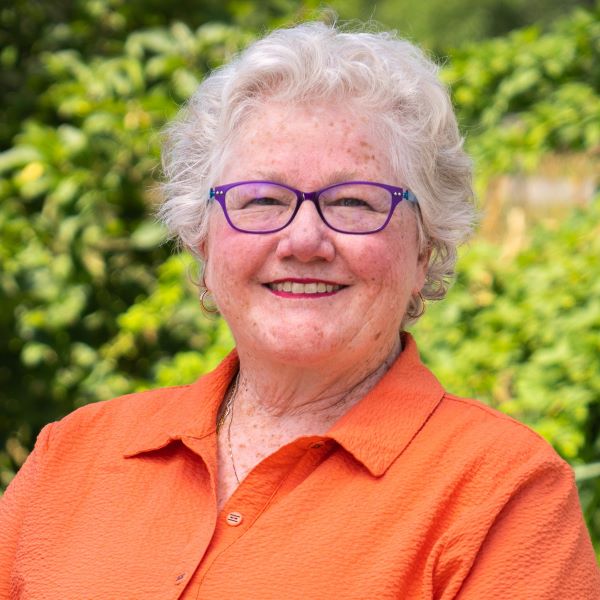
{"x":304,"y":288}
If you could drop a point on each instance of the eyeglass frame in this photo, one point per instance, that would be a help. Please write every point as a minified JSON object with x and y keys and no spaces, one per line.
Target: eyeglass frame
{"x":219,"y":192}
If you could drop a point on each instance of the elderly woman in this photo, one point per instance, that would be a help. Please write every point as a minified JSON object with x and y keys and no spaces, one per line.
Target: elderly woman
{"x":320,"y":178}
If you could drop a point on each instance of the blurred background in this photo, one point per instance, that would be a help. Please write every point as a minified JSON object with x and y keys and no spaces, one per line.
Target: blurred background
{"x":94,"y":303}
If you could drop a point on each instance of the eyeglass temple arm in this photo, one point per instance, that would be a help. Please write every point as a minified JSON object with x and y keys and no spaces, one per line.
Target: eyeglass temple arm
{"x":410,"y":197}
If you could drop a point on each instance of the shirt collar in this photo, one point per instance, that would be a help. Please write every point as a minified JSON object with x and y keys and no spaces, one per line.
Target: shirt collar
{"x":382,"y":425}
{"x":375,"y":431}
{"x":185,"y":412}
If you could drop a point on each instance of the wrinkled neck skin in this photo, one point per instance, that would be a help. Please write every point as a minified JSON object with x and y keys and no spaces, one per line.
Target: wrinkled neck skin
{"x":308,"y":398}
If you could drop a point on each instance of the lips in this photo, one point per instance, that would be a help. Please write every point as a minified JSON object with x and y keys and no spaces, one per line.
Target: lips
{"x":304,"y":287}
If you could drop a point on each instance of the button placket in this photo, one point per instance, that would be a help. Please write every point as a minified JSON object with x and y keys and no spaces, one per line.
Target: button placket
{"x":246,"y":504}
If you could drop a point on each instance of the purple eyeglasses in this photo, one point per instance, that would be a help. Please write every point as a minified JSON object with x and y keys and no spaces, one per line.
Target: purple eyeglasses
{"x":355,"y":207}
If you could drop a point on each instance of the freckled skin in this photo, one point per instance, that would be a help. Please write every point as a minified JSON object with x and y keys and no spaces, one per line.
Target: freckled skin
{"x":304,"y":362}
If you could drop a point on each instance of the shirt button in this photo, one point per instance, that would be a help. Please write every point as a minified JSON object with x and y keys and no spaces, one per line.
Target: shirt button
{"x":234,"y":519}
{"x":179,"y":579}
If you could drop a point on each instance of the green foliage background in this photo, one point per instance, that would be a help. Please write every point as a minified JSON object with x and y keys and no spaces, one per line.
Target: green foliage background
{"x":94,"y":304}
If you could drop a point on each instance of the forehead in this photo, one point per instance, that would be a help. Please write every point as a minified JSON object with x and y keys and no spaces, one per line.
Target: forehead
{"x":302,"y":145}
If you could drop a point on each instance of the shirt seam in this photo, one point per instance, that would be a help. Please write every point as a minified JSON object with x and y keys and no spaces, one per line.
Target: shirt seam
{"x":495,"y":413}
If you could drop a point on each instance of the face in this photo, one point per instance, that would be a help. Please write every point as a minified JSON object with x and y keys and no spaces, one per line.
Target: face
{"x":264,"y":284}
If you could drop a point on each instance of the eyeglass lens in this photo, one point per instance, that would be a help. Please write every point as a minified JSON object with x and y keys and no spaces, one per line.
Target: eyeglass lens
{"x":354,"y":207}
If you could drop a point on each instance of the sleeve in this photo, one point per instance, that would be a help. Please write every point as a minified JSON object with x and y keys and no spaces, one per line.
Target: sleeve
{"x":13,"y":507}
{"x":535,"y":545}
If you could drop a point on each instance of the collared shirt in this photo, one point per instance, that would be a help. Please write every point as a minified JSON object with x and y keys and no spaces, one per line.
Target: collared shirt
{"x":413,"y":494}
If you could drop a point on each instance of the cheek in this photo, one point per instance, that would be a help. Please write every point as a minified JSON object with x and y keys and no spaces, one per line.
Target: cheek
{"x":219,"y":250}
{"x":218,"y":269}
{"x":232,"y":269}
{"x":391,"y":270}
{"x":224,"y":279}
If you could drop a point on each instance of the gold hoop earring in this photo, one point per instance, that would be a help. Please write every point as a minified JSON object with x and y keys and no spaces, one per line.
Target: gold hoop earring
{"x":210,"y":309}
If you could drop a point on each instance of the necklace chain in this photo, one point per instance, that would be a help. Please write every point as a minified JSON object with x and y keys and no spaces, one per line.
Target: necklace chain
{"x":228,"y":413}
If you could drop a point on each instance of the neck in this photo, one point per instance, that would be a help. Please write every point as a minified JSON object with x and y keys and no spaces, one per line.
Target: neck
{"x":320,"y":393}
{"x":274,"y":403}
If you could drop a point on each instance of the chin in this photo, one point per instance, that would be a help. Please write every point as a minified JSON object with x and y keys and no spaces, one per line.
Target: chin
{"x":286,"y":346}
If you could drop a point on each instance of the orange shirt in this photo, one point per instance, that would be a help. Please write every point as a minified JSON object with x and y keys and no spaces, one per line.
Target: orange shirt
{"x":414,"y":494}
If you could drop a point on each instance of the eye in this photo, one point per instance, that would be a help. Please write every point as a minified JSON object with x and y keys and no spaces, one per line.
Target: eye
{"x":263,"y":201}
{"x":350,"y":202}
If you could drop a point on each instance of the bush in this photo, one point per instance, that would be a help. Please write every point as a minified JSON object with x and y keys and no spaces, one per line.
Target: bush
{"x":522,"y":96}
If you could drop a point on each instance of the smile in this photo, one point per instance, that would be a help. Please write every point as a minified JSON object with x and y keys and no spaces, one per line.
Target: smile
{"x":294,"y":287}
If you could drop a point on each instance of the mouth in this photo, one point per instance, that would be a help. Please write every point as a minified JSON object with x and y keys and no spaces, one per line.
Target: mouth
{"x":304,"y":288}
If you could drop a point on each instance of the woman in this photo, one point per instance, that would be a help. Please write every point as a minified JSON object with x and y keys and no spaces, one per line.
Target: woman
{"x":321,"y":458}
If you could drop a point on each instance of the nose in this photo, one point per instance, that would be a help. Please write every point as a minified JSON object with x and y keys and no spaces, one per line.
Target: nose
{"x":306,"y":238}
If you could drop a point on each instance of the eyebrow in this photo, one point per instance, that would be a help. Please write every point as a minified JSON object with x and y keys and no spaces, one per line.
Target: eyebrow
{"x":339,"y":176}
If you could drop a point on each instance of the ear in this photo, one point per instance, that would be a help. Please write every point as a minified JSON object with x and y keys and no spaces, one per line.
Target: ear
{"x":202,"y":250}
{"x":201,"y":254}
{"x":422,"y":268}
{"x":202,"y":264}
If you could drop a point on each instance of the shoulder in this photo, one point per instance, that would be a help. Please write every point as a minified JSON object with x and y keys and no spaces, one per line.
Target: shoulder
{"x":115,"y":421}
{"x":130,"y":407}
{"x":483,"y":425}
{"x":495,"y":453}
{"x":492,"y":467}
{"x":143,"y":420}
{"x":515,"y":507}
